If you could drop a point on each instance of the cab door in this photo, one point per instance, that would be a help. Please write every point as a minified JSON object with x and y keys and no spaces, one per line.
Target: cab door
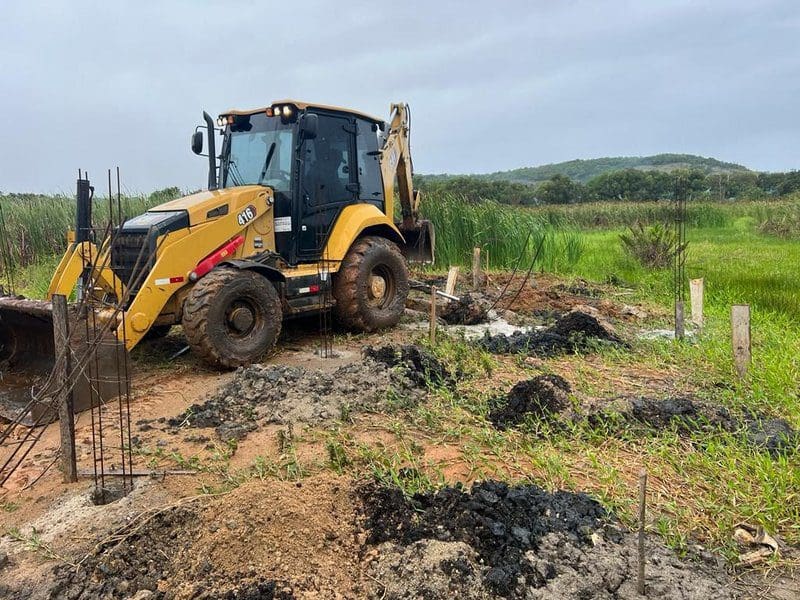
{"x":328,"y":182}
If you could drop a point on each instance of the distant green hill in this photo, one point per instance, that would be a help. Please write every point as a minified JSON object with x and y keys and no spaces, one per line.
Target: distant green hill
{"x":584,"y":170}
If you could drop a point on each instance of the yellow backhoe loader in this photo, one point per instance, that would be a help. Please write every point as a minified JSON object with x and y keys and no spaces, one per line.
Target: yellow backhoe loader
{"x":298,"y":217}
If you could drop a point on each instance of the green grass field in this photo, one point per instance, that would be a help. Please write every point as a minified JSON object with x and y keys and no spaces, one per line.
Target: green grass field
{"x":703,"y":484}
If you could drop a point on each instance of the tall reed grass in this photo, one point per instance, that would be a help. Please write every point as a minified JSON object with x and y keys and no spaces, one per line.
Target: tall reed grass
{"x":507,"y":235}
{"x":36,"y":225}
{"x":698,"y":214}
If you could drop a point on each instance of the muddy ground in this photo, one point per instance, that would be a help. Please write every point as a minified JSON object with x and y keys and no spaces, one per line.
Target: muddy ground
{"x":332,"y":537}
{"x":280,"y":394}
{"x":315,"y":534}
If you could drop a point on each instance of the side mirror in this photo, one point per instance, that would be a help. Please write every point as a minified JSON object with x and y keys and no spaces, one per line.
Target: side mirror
{"x":197,"y":142}
{"x":308,"y":126}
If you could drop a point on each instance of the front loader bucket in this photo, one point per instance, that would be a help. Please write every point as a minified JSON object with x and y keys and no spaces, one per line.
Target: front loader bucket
{"x":420,"y":242}
{"x":28,"y":355}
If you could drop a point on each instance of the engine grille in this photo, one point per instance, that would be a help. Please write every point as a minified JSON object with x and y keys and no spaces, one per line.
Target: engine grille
{"x":131,"y":259}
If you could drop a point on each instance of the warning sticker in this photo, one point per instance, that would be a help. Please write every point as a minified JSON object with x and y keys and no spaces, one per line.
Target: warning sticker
{"x":283,"y":224}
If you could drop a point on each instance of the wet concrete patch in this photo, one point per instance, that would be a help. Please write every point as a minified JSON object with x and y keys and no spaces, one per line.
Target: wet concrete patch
{"x":286,"y":394}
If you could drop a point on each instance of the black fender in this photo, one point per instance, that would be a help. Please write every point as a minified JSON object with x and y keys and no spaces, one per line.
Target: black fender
{"x":270,"y":273}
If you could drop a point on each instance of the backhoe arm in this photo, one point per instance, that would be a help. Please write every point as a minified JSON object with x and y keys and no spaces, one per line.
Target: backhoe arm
{"x":419,"y":236}
{"x":396,"y":163}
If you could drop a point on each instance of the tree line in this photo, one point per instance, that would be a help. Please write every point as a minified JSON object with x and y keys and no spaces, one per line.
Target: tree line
{"x":623,"y":184}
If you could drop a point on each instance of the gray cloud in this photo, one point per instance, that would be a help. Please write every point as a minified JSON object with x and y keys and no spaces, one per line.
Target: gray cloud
{"x":492,"y":85}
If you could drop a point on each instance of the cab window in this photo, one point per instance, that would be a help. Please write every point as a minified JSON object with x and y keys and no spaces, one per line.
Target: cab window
{"x":369,"y":166}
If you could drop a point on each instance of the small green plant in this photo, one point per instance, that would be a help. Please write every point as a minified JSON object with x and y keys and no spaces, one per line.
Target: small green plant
{"x":34,"y":543}
{"x":337,"y":456}
{"x":654,"y":247}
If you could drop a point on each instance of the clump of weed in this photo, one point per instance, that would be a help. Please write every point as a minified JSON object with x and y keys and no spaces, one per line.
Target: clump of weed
{"x":653,"y":246}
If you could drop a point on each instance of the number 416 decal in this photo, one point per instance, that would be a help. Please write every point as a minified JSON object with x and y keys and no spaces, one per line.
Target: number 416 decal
{"x":247,"y":215}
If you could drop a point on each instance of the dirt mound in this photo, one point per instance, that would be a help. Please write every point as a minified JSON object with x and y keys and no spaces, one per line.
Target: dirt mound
{"x":467,"y":310}
{"x":144,"y":562}
{"x":517,"y":542}
{"x":285,"y":394}
{"x":540,"y":397}
{"x":499,"y":522}
{"x":574,"y":332}
{"x":264,"y":540}
{"x":776,"y":436}
{"x":690,"y":415}
{"x":415,"y":362}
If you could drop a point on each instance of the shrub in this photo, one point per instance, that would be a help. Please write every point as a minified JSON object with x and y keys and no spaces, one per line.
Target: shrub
{"x":654,"y":246}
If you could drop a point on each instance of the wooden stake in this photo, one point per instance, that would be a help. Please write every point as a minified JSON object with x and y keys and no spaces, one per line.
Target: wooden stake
{"x":696,"y":296}
{"x":640,"y":587}
{"x":452,"y":277}
{"x":740,"y":328}
{"x":66,"y":411}
{"x":433,"y":314}
{"x":680,"y":329}
{"x":476,"y":267}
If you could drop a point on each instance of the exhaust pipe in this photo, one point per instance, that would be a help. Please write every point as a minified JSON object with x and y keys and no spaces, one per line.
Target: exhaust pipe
{"x":212,"y":152}
{"x":83,"y":216}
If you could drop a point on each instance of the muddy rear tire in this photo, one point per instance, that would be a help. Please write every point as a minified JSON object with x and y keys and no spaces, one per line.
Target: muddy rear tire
{"x":371,"y":286}
{"x":232,"y":318}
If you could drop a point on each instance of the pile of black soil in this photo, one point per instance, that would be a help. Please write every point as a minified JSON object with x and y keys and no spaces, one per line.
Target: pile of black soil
{"x":689,"y":415}
{"x":284,"y":394}
{"x":574,"y":332}
{"x":497,"y":541}
{"x":500,"y":522}
{"x":464,"y":311}
{"x":415,"y":362}
{"x":541,"y":397}
{"x":143,"y":561}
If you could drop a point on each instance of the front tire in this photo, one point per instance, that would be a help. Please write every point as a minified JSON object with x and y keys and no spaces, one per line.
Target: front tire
{"x":232,"y":318}
{"x":371,"y":286}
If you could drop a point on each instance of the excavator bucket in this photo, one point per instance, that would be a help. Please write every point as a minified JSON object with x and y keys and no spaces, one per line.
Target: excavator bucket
{"x":420,"y":242}
{"x":27,"y":357}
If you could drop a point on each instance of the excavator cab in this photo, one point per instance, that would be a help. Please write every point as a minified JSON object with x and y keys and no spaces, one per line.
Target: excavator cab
{"x":317,"y":160}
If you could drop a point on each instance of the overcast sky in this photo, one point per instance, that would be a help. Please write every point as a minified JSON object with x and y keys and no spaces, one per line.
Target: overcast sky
{"x":492,"y":85}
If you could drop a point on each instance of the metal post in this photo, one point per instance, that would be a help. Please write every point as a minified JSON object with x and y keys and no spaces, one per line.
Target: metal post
{"x":640,"y":587}
{"x":679,"y":260}
{"x":433,"y":314}
{"x":680,"y":321}
{"x":66,"y":411}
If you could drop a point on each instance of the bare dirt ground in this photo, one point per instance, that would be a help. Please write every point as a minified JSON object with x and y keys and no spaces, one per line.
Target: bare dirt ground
{"x":267,"y":504}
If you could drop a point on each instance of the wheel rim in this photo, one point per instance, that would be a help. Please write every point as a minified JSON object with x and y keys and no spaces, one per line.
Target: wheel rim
{"x":242,"y":317}
{"x":380,"y":286}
